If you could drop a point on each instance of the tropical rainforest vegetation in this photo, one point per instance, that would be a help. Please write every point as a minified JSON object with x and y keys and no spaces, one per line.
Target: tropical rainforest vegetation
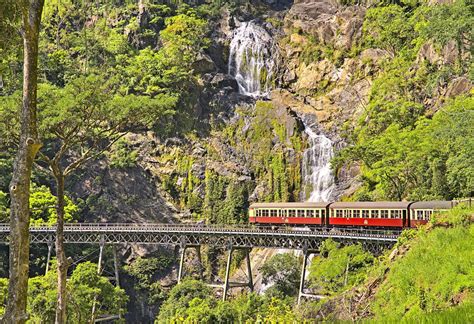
{"x":90,"y":90}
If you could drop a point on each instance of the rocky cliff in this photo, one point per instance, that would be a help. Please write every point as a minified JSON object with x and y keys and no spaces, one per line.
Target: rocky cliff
{"x":248,"y":145}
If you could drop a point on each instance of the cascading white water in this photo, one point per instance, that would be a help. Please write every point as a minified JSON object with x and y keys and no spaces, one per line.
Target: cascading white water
{"x":251,"y":59}
{"x":316,"y":168}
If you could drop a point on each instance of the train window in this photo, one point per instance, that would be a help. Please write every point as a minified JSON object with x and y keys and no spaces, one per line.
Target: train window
{"x":300,"y":212}
{"x":347,"y":213}
{"x":374,"y":213}
{"x":282,"y":212}
{"x":273,"y":213}
{"x":395,"y":214}
{"x":316,"y":213}
{"x":365,"y":213}
{"x":419,"y":214}
{"x":291,"y":213}
{"x":384,"y":213}
{"x":428,"y":214}
{"x":356,"y":213}
{"x":323,"y":213}
{"x":310,"y":213}
{"x":339,"y":213}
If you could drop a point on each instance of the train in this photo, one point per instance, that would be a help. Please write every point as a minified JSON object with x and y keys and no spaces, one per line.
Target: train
{"x":371,"y":214}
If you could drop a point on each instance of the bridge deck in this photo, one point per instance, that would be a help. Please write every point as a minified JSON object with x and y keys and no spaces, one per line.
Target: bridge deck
{"x":195,"y":234}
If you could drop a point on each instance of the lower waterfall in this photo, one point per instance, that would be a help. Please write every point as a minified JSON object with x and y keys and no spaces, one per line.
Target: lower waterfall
{"x":318,"y":179}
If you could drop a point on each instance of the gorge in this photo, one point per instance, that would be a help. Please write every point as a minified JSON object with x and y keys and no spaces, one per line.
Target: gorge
{"x":220,"y":104}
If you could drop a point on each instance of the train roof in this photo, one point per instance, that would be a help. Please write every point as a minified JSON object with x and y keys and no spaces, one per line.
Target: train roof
{"x":434,"y":204}
{"x":372,"y":204}
{"x":291,"y":205}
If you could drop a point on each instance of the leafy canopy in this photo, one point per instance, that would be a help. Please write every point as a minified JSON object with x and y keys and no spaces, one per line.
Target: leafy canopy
{"x":284,"y":272}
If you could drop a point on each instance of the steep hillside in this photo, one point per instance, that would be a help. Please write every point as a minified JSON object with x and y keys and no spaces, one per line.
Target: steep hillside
{"x":429,"y":272}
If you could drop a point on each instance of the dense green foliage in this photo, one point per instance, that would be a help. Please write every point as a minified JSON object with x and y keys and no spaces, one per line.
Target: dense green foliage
{"x":431,"y":160}
{"x":112,"y":67}
{"x":406,"y":150}
{"x":85,"y":286}
{"x":283,"y":271}
{"x":43,"y":207}
{"x":42,"y":204}
{"x":145,"y":272}
{"x":192,"y":302}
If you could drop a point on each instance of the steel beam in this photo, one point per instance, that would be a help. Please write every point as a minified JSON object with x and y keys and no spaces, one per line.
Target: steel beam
{"x":227,"y":273}
{"x":48,"y":257}
{"x":116,"y":265}
{"x":234,"y":284}
{"x":238,"y":237}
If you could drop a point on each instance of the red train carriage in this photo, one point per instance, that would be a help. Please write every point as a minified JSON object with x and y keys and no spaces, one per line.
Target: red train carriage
{"x":376,"y":214}
{"x":421,"y":211}
{"x":390,"y":214}
{"x":305,"y":213}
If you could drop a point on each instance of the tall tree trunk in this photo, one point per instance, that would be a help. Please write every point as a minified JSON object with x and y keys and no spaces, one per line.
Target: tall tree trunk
{"x":20,"y":185}
{"x":60,"y":253}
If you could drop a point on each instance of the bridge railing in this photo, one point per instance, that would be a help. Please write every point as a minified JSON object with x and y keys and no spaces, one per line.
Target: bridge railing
{"x":212,"y":228}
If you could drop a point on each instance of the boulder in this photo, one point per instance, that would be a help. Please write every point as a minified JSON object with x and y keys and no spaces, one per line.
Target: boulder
{"x":458,"y":86}
{"x":310,"y":76}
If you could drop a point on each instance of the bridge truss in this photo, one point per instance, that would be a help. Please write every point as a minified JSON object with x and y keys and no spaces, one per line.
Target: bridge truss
{"x":195,"y":235}
{"x":225,"y":236}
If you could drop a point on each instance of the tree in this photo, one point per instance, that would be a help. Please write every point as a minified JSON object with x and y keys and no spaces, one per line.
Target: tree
{"x":29,"y":145}
{"x":387,"y":28}
{"x":283,"y":271}
{"x":189,"y":293}
{"x":42,"y":205}
{"x":451,"y":22}
{"x":85,"y":287}
{"x":78,"y":123}
{"x":170,"y":68}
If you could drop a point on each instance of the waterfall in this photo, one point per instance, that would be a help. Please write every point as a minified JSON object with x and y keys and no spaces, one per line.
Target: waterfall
{"x":251,"y":59}
{"x":316,"y":168}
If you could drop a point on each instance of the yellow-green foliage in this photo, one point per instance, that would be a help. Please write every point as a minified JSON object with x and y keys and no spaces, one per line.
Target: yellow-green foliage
{"x":122,"y":156}
{"x":270,"y":161}
{"x":435,"y":274}
{"x":3,"y":293}
{"x":43,"y":207}
{"x":192,"y":302}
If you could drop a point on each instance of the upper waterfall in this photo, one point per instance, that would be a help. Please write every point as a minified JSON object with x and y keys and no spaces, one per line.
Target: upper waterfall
{"x":251,"y":59}
{"x":316,"y":168}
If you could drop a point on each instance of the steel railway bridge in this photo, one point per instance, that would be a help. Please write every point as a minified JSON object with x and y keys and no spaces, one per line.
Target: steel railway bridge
{"x":230,"y":237}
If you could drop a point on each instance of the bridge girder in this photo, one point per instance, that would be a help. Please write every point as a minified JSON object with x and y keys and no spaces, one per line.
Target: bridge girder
{"x":237,"y":237}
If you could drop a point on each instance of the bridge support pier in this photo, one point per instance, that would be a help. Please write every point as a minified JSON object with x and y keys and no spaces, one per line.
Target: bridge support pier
{"x":184,"y":248}
{"x":48,"y":257}
{"x":231,"y":284}
{"x":301,"y":293}
{"x":101,"y":255}
{"x":116,"y":265}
